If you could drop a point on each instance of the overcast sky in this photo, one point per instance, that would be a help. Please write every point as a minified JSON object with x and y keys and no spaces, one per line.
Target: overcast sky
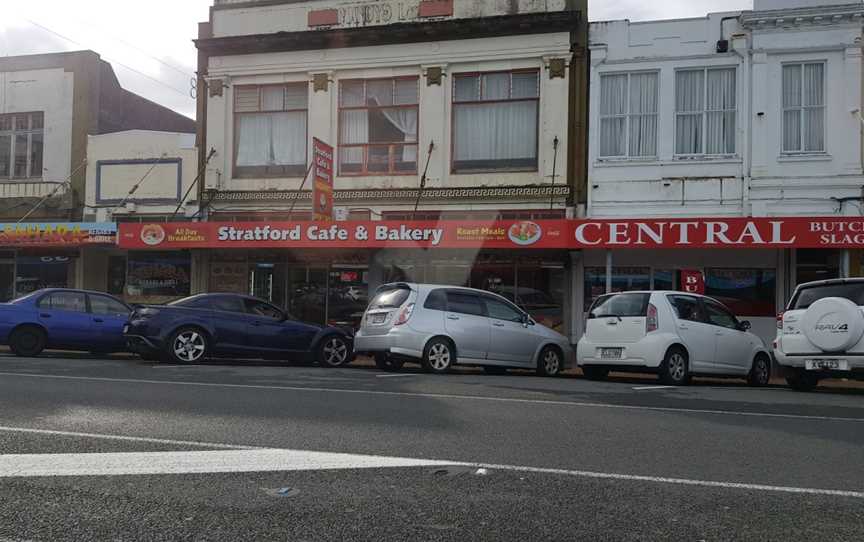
{"x":150,"y":43}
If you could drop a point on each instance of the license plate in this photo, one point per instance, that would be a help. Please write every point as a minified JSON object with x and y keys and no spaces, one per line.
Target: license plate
{"x":826,"y":364}
{"x":611,"y":353}
{"x":378,"y":318}
{"x":126,"y":328}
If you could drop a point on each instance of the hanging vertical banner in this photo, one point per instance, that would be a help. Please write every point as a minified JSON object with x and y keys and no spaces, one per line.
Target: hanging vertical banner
{"x":693,"y":281}
{"x":322,"y":193}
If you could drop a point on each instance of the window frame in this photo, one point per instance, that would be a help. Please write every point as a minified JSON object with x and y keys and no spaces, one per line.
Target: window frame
{"x":364,"y":169}
{"x":701,"y":316}
{"x":29,"y":132}
{"x":704,"y":114}
{"x":253,"y":172}
{"x":627,"y":116}
{"x":478,"y":298}
{"x":802,"y":109}
{"x":453,"y":106}
{"x":707,"y":303}
{"x":490,"y":299}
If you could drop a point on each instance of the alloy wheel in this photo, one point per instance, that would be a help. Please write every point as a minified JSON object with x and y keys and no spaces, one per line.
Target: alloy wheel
{"x":439,"y":356}
{"x":189,"y":346}
{"x":761,"y":371}
{"x":677,"y":367}
{"x":551,"y":362}
{"x":335,"y":351}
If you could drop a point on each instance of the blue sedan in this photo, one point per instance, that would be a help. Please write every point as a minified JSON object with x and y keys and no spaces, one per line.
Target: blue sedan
{"x":63,"y":319}
{"x":232,"y":325}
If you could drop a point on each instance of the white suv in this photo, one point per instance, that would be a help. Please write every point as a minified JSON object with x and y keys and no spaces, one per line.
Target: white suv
{"x":673,"y":334}
{"x":820,"y":333}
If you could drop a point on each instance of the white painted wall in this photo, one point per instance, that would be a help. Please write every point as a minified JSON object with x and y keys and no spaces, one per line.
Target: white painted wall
{"x":488,"y":54}
{"x":49,"y":91}
{"x":160,"y":183}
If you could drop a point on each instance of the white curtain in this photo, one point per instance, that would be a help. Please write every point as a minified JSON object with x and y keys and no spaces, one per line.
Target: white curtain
{"x":689,"y":92}
{"x":814,"y":110}
{"x":354,"y":129}
{"x":272,"y":139}
{"x":792,"y":108}
{"x":720,"y":121}
{"x":643,"y":114}
{"x":498,"y":131}
{"x":404,"y":119}
{"x":613,"y":108}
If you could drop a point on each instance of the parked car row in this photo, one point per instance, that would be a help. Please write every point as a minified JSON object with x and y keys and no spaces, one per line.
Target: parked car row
{"x":674,"y":334}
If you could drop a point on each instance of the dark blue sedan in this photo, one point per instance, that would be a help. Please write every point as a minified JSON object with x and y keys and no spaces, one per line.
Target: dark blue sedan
{"x":63,"y":319}
{"x":231,"y":325}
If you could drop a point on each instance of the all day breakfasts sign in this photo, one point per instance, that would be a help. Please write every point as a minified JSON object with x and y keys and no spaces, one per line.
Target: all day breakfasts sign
{"x":771,"y":232}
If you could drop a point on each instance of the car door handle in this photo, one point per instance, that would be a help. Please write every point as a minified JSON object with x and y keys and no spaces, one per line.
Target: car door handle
{"x":451,"y":317}
{"x":719,"y":333}
{"x":497,"y":324}
{"x":44,"y":315}
{"x":98,"y":320}
{"x":682,"y":326}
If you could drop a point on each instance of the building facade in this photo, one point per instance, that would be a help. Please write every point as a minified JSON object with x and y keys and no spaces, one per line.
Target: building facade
{"x":748,"y":114}
{"x":437,"y":110}
{"x":49,"y":105}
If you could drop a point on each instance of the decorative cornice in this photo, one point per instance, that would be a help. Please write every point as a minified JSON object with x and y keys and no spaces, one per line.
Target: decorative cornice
{"x":484,"y":193}
{"x":817,"y":16}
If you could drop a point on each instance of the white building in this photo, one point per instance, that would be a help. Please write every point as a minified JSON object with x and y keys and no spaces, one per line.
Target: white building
{"x":751,"y":114}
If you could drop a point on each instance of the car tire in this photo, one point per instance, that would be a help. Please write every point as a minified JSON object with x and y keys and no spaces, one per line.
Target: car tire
{"x":802,"y":381}
{"x":187,"y":345}
{"x":28,"y":341}
{"x":675,"y":369}
{"x":333,"y":351}
{"x":592,"y":372}
{"x":494,"y":370}
{"x":387,"y":362}
{"x":760,"y":372}
{"x":438,"y":356}
{"x":550,"y":361}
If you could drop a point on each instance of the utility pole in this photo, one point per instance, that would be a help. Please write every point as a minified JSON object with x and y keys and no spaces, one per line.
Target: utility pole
{"x":423,"y":179}
{"x":554,"y":166}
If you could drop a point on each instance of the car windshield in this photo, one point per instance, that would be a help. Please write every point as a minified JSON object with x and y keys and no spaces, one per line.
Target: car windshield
{"x":390,"y":298}
{"x":621,"y":305}
{"x":25,"y":298}
{"x":853,"y":291}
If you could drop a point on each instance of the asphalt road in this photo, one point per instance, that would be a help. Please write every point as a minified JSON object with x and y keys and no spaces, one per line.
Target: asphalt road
{"x":121,"y":449}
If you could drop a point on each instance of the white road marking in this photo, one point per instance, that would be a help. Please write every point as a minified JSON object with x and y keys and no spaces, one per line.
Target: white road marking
{"x":395,"y":375}
{"x":126,"y":438}
{"x":640,"y":388}
{"x":453,"y":396}
{"x":282,"y":460}
{"x":266,"y":460}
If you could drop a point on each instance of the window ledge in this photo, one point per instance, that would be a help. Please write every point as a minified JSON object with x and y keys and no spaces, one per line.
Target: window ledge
{"x":634,"y":162}
{"x":714,"y":158}
{"x":805,"y":157}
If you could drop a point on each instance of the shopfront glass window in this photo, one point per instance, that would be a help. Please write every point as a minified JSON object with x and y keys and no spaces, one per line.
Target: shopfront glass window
{"x":595,"y":285}
{"x":625,"y":279}
{"x":348,"y":296}
{"x":229,"y":275}
{"x":156,"y":277}
{"x":499,"y":278}
{"x":308,"y":293}
{"x":37,"y":272}
{"x":816,"y":264}
{"x":747,"y":292}
{"x":664,"y":279}
{"x":540,"y":292}
{"x":116,"y":275}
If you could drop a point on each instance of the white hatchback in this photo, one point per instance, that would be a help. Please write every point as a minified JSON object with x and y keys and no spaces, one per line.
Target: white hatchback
{"x":673,"y":334}
{"x":821,"y":333}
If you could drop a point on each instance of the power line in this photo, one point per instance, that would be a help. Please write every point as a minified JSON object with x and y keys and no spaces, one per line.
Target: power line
{"x":142,"y":74}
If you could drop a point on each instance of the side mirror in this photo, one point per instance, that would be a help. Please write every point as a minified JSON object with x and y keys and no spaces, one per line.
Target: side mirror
{"x":527,"y":321}
{"x":744,"y":325}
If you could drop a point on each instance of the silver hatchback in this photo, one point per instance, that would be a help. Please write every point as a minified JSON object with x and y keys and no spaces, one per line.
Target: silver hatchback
{"x":441,"y":326}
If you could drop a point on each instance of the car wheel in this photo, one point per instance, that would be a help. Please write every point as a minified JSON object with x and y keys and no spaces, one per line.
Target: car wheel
{"x":494,"y":370}
{"x":802,"y":381}
{"x":386,"y":362}
{"x":675,"y":369}
{"x":593,"y":372}
{"x":187,"y":345}
{"x":760,"y":372}
{"x":28,"y":341}
{"x":549,"y":362}
{"x":333,"y":352}
{"x":438,"y":356}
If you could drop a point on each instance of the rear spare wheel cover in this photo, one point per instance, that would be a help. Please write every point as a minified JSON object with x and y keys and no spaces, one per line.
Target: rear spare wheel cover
{"x":833,"y":324}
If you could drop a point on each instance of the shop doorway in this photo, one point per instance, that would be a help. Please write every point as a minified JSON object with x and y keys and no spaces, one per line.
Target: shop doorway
{"x":7,"y":276}
{"x":307,"y":293}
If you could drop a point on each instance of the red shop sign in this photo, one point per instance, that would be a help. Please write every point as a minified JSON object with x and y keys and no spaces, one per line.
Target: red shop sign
{"x":692,"y":281}
{"x":772,"y":232}
{"x":359,"y":234}
{"x":322,"y":193}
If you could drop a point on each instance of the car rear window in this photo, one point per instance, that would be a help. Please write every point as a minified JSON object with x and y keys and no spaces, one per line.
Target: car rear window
{"x":390,"y":298}
{"x":620,"y":305}
{"x":853,"y":291}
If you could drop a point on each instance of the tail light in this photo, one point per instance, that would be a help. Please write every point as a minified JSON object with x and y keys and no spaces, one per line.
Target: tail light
{"x":651,"y":320}
{"x":404,"y":315}
{"x":780,"y":320}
